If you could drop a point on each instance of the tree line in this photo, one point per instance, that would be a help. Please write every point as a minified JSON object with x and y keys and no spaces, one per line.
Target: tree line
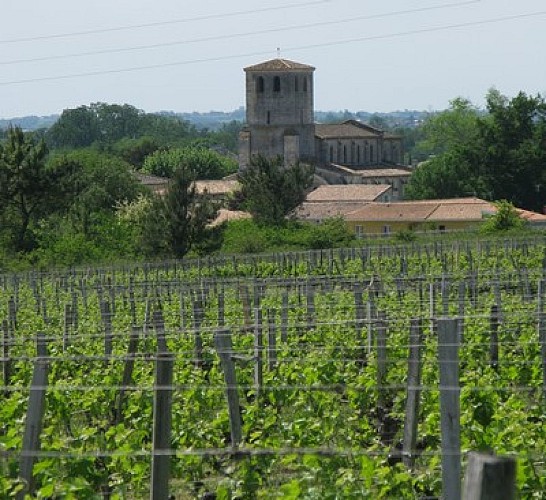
{"x":496,"y":154}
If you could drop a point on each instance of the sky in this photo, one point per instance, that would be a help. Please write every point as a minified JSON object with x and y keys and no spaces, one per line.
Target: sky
{"x":375,"y":56}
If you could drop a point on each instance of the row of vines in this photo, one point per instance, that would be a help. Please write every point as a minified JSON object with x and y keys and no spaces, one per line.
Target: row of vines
{"x":322,"y":395}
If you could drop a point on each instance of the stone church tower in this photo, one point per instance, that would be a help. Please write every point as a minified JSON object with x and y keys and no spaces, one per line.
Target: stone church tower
{"x":279,"y":112}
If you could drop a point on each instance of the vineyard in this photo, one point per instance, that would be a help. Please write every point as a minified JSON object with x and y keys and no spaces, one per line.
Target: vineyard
{"x":325,"y":374}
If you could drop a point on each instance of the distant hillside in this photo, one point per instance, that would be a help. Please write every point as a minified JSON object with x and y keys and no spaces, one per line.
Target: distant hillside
{"x":213,"y":120}
{"x":30,"y":122}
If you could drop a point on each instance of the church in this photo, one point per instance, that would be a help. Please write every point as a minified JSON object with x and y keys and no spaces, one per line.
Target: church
{"x":280,"y":122}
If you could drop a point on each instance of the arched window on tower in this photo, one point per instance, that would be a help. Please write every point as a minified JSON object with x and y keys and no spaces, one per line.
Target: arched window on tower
{"x":276,"y":84}
{"x":260,"y":85}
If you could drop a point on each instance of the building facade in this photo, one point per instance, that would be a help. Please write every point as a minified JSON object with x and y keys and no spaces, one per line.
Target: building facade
{"x":280,"y":122}
{"x":279,"y":112}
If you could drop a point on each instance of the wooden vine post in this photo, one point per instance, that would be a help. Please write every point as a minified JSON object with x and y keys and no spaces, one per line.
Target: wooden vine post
{"x":258,"y":351}
{"x":381,"y":344}
{"x":35,"y":415}
{"x":222,"y":342}
{"x":542,"y":336}
{"x":494,"y":341}
{"x":161,"y":454}
{"x":413,"y":393}
{"x":490,"y":477}
{"x":6,"y":364}
{"x":448,"y":354}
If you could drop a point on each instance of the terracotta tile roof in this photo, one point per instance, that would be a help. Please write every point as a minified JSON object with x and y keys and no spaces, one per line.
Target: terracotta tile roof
{"x":450,"y":201}
{"x":392,"y":212}
{"x":463,"y":211}
{"x":279,"y":65}
{"x":351,"y":192}
{"x":323,"y":210}
{"x":218,"y":187}
{"x":531,"y":216}
{"x":151,"y":180}
{"x":347,"y":130}
{"x":225,"y":215}
{"x":375,"y":172}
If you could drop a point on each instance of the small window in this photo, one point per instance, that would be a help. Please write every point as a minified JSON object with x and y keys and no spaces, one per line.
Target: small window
{"x":441,"y":228}
{"x":268,"y":117}
{"x":358,"y":155}
{"x":344,"y":154}
{"x":305,"y":84}
{"x":277,"y":84}
{"x":296,"y":84}
{"x":359,"y":231}
{"x":260,"y":85}
{"x":371,"y":153}
{"x":331,"y":154}
{"x":386,"y":230}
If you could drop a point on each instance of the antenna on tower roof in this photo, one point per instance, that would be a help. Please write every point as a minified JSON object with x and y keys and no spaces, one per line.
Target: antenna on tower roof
{"x":278,"y":52}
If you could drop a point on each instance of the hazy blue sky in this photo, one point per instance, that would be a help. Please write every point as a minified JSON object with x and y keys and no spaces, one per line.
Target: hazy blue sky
{"x":369,"y":55}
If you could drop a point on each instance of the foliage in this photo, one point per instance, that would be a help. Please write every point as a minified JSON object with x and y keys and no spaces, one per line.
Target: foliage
{"x":247,"y":237}
{"x":504,"y":219}
{"x":448,"y":129}
{"x":28,"y":189}
{"x":321,"y":399}
{"x":445,"y":176}
{"x":99,"y":182}
{"x":178,"y":220}
{"x":331,"y":233}
{"x":271,"y":190}
{"x":500,"y":155}
{"x":227,"y":136}
{"x":105,"y":124}
{"x":205,"y":163}
{"x":135,"y":151}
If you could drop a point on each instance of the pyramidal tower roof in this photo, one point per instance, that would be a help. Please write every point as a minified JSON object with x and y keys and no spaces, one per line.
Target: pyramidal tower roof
{"x":279,"y":65}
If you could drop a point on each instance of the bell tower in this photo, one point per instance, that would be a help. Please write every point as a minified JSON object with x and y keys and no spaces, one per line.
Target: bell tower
{"x":279,"y":112}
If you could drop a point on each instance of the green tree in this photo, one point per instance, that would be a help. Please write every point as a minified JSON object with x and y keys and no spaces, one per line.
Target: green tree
{"x":98,"y":184}
{"x":449,"y":175}
{"x":498,"y":155}
{"x":28,"y":189}
{"x":205,"y":163}
{"x":448,"y":129}
{"x":506,"y":218}
{"x":512,"y":149}
{"x":105,"y":124}
{"x":75,"y":128}
{"x":270,"y":190}
{"x":178,"y":221}
{"x":135,"y":151}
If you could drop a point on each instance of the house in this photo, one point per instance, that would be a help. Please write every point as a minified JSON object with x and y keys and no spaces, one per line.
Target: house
{"x":396,"y":176}
{"x":157,"y":185}
{"x":353,"y":193}
{"x":218,"y":190}
{"x":440,"y":215}
{"x":329,"y":201}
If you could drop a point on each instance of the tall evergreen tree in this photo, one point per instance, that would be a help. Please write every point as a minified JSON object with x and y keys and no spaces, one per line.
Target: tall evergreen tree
{"x":28,"y":189}
{"x":270,"y":190}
